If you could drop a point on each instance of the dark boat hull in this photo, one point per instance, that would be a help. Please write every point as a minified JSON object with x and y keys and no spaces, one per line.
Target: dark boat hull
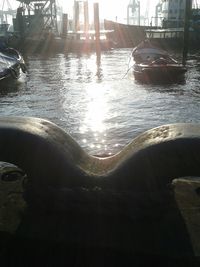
{"x":11,"y":63}
{"x":124,"y":35}
{"x":12,"y":73}
{"x":154,"y":74}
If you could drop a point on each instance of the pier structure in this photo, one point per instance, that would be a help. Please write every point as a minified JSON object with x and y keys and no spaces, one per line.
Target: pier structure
{"x":80,"y":21}
{"x":36,"y":28}
{"x":81,"y":28}
{"x":81,"y":8}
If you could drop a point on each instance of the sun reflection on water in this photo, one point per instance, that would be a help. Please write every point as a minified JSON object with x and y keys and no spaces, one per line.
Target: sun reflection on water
{"x":97,"y":110}
{"x":90,"y":104}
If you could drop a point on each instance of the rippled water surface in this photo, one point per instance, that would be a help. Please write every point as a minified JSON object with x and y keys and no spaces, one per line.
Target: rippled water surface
{"x":94,"y":101}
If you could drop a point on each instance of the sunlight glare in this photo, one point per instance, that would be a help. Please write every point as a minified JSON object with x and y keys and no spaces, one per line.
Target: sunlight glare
{"x":96,"y":109}
{"x":107,"y":9}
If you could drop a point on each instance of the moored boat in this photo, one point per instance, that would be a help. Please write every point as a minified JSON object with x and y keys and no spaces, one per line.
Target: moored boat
{"x":152,"y":64}
{"x":124,"y":35}
{"x":11,"y":64}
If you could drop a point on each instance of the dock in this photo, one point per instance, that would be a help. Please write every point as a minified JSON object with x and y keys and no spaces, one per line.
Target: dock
{"x":36,"y":29}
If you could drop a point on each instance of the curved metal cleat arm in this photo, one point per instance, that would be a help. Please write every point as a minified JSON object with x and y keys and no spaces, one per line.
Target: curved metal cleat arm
{"x":125,"y":204}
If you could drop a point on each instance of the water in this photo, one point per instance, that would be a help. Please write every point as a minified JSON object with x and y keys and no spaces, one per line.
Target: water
{"x":95,"y":102}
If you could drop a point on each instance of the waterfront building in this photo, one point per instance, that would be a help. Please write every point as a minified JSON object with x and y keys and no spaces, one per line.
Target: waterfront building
{"x":172,"y":13}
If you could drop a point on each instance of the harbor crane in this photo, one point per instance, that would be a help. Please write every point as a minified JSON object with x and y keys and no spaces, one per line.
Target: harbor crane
{"x":146,"y":17}
{"x":133,"y":12}
{"x":6,"y":10}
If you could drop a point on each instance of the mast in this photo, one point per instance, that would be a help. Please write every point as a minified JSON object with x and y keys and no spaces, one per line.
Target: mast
{"x":188,"y":7}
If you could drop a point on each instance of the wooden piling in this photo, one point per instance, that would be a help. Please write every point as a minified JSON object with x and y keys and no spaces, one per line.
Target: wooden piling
{"x":21,"y":22}
{"x":86,"y":20}
{"x":76,"y":18}
{"x":64,"y":25}
{"x":97,"y":29}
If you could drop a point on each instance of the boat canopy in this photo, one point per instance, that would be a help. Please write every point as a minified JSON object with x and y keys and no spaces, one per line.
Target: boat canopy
{"x":155,"y":51}
{"x":6,"y":61}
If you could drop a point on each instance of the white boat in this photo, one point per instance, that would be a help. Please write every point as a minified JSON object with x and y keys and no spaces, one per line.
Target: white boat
{"x":152,"y":64}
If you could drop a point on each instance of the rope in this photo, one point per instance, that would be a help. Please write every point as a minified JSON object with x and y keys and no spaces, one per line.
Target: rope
{"x":13,"y":73}
{"x":127,"y":72}
{"x":128,"y":65}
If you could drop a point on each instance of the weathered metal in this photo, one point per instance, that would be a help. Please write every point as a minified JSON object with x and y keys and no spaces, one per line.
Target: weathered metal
{"x":124,"y":209}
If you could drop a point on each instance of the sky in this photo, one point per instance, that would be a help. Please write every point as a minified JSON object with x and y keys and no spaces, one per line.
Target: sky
{"x":107,"y":8}
{"x":111,"y":8}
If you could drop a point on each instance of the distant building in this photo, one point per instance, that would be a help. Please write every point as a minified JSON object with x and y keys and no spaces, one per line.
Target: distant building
{"x":172,"y":13}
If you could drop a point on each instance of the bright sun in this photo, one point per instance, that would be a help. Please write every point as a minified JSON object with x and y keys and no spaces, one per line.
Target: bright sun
{"x":107,"y":8}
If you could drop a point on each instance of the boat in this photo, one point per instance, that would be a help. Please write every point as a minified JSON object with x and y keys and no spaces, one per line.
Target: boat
{"x":153,"y":64}
{"x":124,"y":35}
{"x":39,"y":32}
{"x":11,"y":64}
